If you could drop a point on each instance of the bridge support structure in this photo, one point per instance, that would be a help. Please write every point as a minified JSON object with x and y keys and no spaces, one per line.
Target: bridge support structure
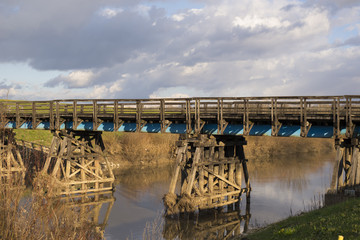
{"x":12,"y":169}
{"x":74,"y":162}
{"x":211,"y":169}
{"x":346,"y":172}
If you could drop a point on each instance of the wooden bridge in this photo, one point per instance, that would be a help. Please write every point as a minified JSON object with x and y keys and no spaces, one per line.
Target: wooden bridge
{"x":210,"y":156}
{"x":328,"y":116}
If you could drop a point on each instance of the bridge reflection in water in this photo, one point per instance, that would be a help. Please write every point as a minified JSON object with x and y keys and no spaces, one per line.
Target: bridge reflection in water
{"x":91,"y":209}
{"x":208,"y":224}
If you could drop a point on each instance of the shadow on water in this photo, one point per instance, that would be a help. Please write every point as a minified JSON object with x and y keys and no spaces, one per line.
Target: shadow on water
{"x":281,"y":187}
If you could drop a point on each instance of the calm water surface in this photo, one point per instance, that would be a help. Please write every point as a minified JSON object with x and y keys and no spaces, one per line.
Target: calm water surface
{"x":280,"y":187}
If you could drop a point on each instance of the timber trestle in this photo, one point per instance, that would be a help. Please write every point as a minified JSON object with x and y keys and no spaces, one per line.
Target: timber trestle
{"x":12,"y":169}
{"x":346,"y":173}
{"x":211,"y":170}
{"x":75,"y":163}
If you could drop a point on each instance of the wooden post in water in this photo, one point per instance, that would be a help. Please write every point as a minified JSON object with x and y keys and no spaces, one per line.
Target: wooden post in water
{"x":75,"y":160}
{"x":346,"y":173}
{"x":211,"y":168}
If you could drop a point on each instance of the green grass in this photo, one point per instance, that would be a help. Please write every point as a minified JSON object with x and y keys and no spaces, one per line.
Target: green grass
{"x":325,"y":223}
{"x":42,"y":137}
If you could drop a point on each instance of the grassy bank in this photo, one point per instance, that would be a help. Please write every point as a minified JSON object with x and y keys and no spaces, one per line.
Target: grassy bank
{"x":41,"y":137}
{"x":325,"y":223}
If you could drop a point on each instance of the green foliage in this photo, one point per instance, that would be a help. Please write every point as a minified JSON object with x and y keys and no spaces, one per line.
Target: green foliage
{"x":326,"y":223}
{"x":42,"y":137}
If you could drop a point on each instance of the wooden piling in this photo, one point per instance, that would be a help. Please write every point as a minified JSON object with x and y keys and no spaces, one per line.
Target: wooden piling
{"x":210,"y":174}
{"x":12,"y":169}
{"x":75,"y":164}
{"x":346,"y":171}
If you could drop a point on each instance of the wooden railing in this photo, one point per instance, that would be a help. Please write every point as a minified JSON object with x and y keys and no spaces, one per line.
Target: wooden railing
{"x":337,"y":111}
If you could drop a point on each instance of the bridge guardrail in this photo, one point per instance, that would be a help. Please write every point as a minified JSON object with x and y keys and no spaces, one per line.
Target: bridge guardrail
{"x":337,"y":111}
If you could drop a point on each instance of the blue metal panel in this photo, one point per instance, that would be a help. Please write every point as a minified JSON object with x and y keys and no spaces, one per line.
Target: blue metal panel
{"x":260,"y":130}
{"x":152,"y":128}
{"x":177,"y":128}
{"x":289,"y":131}
{"x":231,"y":129}
{"x":321,"y":132}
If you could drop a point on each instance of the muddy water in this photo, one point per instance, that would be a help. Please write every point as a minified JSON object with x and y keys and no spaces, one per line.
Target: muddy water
{"x":280,"y":187}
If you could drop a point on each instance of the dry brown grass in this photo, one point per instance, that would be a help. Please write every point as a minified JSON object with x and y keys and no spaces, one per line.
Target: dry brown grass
{"x":269,"y":147}
{"x":39,"y":217}
{"x":140,"y":148}
{"x":150,"y":148}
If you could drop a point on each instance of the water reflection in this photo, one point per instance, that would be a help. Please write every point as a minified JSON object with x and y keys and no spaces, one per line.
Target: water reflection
{"x":208,"y":224}
{"x":92,"y":209}
{"x":280,"y":187}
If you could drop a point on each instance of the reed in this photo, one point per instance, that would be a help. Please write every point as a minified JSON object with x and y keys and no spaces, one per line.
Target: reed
{"x":39,"y":216}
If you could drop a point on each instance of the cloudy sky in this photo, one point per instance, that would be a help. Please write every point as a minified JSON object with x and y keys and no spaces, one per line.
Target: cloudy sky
{"x":140,"y":49}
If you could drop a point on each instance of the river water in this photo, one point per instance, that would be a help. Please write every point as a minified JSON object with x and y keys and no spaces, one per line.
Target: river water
{"x":281,"y":187}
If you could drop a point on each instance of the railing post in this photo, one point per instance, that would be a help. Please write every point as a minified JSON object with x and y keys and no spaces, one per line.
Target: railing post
{"x":162,"y":115}
{"x":188,"y":116}
{"x":116,"y":116}
{"x":247,"y":125}
{"x":304,"y":124}
{"x":34,"y":120}
{"x":349,"y":124}
{"x":95,"y":115}
{"x":18,"y":121}
{"x":275,"y":124}
{"x":222,"y":124}
{"x":336,"y":117}
{"x":220,"y":116}
{"x":57,"y":124}
{"x":75,"y":116}
{"x":51,"y":109}
{"x":139,"y":122}
{"x":199,"y":124}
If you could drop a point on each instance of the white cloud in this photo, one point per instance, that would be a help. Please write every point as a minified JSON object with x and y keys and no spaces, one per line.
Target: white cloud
{"x":110,"y":12}
{"x":116,"y":86}
{"x":255,"y":21}
{"x":99,"y":92}
{"x":80,"y":78}
{"x":75,"y":79}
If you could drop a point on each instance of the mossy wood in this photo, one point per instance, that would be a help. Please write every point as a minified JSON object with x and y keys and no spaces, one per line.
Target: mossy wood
{"x":75,"y":160}
{"x":211,"y":172}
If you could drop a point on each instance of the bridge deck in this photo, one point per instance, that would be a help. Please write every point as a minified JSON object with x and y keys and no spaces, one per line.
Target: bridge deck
{"x":327,"y":116}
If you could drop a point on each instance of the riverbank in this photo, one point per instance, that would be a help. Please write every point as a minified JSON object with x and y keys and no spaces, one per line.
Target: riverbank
{"x":127,"y":149}
{"x":325,"y":223}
